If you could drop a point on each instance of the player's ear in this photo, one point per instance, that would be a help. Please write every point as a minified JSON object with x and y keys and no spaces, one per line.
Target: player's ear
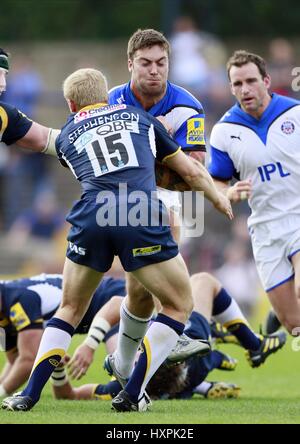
{"x":267,"y":81}
{"x":72,"y":106}
{"x":231,"y":89}
{"x":130,"y":64}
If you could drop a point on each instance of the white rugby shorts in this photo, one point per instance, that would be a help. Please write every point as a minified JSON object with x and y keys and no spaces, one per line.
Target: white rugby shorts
{"x":274,"y":243}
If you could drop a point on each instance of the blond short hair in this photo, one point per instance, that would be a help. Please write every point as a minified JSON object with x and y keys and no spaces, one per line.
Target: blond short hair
{"x":86,"y":86}
{"x":146,"y":38}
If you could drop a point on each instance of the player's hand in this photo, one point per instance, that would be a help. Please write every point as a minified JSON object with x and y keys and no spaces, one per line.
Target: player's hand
{"x":239,"y":191}
{"x":80,"y":362}
{"x":168,"y":127}
{"x":224,"y":206}
{"x":64,"y":361}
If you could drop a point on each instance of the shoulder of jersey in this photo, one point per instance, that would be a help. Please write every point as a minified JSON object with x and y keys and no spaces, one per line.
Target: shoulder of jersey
{"x":116,"y":91}
{"x":181,"y":96}
{"x":285,"y":100}
{"x":6,"y":106}
{"x":283,"y":103}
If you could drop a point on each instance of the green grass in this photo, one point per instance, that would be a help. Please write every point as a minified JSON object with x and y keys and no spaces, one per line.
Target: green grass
{"x":270,"y":394}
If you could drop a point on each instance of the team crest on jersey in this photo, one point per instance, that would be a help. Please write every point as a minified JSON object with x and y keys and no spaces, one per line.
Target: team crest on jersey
{"x":195,"y":132}
{"x":287,"y":127}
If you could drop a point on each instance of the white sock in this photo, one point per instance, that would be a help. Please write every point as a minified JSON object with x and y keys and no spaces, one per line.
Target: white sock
{"x":131,"y":332}
{"x":202,"y":388}
{"x":231,"y":315}
{"x":53,"y":339}
{"x":159,"y":340}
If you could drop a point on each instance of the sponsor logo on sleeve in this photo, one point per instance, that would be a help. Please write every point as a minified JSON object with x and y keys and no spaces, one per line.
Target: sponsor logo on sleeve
{"x":195,"y":131}
{"x":19,"y":317}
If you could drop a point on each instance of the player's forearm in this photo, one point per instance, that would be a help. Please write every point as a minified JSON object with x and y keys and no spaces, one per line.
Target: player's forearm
{"x":198,"y":155}
{"x":222,"y":187}
{"x":201,"y":180}
{"x":39,"y":139}
{"x":65,"y":391}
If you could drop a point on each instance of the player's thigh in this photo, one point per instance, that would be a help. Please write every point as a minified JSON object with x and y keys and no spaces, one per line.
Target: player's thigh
{"x":169,"y":282}
{"x":79,"y":283}
{"x":295,"y":259}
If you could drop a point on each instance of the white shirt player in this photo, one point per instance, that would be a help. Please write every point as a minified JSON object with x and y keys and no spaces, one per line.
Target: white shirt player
{"x":267,"y":151}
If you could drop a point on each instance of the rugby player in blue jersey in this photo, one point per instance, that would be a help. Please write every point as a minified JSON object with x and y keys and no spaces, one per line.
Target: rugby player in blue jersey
{"x":257,"y":142}
{"x":16,"y":128}
{"x":111,"y":150}
{"x":25,"y":307}
{"x":149,"y":89}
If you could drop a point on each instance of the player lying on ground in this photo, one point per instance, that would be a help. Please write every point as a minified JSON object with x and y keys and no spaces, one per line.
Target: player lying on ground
{"x":211,"y":301}
{"x":26,"y":305}
{"x":170,"y":381}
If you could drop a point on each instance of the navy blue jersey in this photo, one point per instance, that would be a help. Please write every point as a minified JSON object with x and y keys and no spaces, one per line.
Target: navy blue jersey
{"x":28,"y":303}
{"x":183,"y":112}
{"x":13,"y":124}
{"x":108,"y":145}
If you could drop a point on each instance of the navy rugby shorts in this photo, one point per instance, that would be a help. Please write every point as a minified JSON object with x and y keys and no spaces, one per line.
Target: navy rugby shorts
{"x":95,"y":246}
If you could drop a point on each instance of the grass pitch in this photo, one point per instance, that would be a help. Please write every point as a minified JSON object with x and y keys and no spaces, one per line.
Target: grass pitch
{"x":270,"y":394}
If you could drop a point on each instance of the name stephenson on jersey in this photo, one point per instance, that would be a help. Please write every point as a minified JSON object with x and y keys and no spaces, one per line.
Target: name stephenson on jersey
{"x":108,"y":145}
{"x":266,"y":151}
{"x":183,"y":112}
{"x":13,"y":124}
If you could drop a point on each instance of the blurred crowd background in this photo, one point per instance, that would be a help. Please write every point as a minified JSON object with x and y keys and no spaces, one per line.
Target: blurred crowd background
{"x":48,"y":40}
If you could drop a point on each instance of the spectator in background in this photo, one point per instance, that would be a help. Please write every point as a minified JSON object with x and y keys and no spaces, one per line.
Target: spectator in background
{"x":281,"y":62}
{"x":197,"y":64}
{"x":25,"y":174}
{"x":25,"y":86}
{"x":188,"y":67}
{"x":40,"y":223}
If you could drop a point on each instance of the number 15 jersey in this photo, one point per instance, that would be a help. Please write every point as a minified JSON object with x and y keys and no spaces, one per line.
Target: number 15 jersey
{"x":107,"y":145}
